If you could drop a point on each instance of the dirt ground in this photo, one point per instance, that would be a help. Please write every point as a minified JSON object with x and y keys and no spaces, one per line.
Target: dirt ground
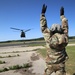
{"x":26,"y":55}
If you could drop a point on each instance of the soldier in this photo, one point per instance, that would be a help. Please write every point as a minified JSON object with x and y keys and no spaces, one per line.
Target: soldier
{"x":56,"y":39}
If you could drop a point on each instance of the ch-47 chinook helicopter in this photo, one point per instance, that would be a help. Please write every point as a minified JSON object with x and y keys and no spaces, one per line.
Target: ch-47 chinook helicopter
{"x":22,"y":31}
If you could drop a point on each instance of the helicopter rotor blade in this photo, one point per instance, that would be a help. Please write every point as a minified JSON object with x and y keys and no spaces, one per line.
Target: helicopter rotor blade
{"x":27,"y":30}
{"x":15,"y":29}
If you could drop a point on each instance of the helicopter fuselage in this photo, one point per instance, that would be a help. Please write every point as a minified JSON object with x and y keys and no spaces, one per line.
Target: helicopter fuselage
{"x":22,"y":34}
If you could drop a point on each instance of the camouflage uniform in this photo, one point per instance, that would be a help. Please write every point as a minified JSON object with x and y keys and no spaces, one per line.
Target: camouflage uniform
{"x":55,"y":59}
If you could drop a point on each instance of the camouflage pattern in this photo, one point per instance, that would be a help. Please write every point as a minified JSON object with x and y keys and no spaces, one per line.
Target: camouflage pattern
{"x":56,"y":57}
{"x":59,"y":69}
{"x":58,"y":41}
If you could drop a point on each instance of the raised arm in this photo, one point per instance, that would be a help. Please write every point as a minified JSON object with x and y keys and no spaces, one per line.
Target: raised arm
{"x":43,"y":21}
{"x":43,"y":24}
{"x":64,"y":21}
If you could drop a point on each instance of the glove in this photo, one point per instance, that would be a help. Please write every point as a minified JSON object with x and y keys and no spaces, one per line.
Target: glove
{"x":44,"y":9}
{"x":62,"y":11}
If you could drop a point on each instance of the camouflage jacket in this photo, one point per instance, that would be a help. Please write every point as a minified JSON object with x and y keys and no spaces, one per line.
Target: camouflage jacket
{"x":53,"y":55}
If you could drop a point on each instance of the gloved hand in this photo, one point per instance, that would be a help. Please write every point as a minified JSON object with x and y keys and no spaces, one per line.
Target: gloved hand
{"x":62,"y":11}
{"x":44,"y":7}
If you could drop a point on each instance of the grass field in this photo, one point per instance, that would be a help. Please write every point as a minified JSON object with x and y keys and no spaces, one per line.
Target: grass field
{"x":71,"y":41}
{"x":70,"y":64}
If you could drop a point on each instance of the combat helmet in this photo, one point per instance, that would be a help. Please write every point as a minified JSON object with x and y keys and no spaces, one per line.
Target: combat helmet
{"x":56,"y":28}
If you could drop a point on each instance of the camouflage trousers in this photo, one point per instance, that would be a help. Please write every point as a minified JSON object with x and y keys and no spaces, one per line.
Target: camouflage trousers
{"x":59,"y":69}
